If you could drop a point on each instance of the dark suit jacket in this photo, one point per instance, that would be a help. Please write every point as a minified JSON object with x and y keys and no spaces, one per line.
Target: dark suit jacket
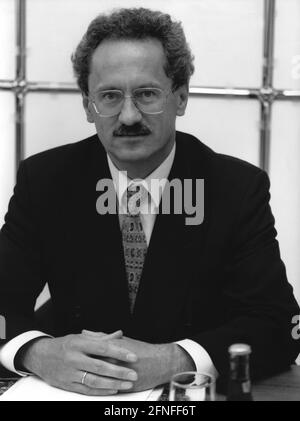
{"x":217,"y":283}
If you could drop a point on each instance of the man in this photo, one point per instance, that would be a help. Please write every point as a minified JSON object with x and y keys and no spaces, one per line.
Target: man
{"x":140,"y":296}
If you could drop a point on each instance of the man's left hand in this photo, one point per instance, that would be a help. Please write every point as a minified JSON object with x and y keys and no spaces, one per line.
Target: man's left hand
{"x":156,"y":363}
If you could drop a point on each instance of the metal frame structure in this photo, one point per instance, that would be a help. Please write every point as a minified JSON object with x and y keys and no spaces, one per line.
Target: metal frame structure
{"x":266,"y":94}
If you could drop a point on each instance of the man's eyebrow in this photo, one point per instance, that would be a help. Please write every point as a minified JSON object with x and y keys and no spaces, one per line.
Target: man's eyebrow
{"x":138,"y":86}
{"x":148,"y":85}
{"x":107,"y":88}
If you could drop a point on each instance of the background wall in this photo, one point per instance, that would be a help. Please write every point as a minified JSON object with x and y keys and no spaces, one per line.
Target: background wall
{"x":226,"y":37}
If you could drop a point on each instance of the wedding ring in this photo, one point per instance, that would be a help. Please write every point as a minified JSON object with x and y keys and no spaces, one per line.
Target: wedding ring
{"x":83,"y":377}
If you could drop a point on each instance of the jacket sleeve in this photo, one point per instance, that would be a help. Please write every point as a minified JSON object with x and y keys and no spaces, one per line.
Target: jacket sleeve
{"x":260,"y":301}
{"x":20,"y":262}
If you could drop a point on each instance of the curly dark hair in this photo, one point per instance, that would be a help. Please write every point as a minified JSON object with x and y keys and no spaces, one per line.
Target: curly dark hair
{"x":136,"y":23}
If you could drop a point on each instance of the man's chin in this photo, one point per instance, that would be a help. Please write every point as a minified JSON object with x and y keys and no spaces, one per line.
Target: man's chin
{"x":132,"y":149}
{"x":131,"y":154}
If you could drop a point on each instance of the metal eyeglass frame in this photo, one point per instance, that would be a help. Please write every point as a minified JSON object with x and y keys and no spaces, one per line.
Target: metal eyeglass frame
{"x":134,"y":102}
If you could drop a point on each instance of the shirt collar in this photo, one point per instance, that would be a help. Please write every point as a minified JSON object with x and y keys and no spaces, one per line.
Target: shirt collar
{"x":122,"y":182}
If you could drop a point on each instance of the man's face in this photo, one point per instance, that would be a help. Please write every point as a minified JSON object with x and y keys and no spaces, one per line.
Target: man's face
{"x":131,"y":135}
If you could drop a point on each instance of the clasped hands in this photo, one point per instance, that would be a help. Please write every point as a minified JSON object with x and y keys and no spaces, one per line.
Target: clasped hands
{"x":112,"y":362}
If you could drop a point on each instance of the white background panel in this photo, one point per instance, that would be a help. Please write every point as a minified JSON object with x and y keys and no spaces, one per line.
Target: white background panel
{"x":7,"y":151}
{"x":53,"y":120}
{"x":228,"y":126}
{"x":222,"y":34}
{"x":7,"y":39}
{"x":287,"y":44}
{"x":285,"y":176}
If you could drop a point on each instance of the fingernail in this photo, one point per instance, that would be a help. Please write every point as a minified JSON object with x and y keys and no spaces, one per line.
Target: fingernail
{"x":126,"y":385}
{"x":131,"y":357}
{"x":132,"y":376}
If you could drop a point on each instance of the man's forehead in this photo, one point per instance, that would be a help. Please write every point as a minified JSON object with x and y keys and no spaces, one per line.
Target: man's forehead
{"x":142,"y":58}
{"x":129,"y":48}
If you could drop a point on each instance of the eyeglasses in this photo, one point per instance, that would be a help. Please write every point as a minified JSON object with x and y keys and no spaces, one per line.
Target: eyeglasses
{"x":147,"y":100}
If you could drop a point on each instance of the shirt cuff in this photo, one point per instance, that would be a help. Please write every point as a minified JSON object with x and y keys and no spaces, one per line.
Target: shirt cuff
{"x":10,"y":349}
{"x":200,"y":357}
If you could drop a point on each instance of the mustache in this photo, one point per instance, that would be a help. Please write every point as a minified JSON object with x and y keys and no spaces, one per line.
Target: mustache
{"x":137,"y":129}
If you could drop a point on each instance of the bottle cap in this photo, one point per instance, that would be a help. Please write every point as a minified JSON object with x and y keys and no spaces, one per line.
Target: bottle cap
{"x":239,"y":349}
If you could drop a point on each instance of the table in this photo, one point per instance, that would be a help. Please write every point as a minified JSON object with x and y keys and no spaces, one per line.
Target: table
{"x":282,"y":387}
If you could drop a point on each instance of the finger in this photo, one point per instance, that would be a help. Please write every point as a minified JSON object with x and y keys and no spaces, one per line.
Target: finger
{"x":104,"y":368}
{"x":94,"y":334}
{"x":104,"y":348}
{"x":99,"y":382}
{"x":85,"y":390}
{"x":115,"y":335}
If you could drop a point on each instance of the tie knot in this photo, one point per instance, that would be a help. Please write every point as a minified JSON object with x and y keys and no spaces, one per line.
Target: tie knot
{"x":136,"y":194}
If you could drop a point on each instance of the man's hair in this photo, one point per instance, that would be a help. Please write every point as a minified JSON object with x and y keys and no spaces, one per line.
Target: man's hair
{"x":136,"y":24}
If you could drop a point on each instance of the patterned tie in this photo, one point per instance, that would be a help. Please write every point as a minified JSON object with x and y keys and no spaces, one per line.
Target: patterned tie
{"x":134,"y":241}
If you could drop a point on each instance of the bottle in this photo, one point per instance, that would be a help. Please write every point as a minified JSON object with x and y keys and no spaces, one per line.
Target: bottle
{"x":239,"y":387}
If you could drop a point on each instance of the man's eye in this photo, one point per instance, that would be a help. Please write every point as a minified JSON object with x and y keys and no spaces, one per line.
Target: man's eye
{"x":110,"y":96}
{"x":147,"y":95}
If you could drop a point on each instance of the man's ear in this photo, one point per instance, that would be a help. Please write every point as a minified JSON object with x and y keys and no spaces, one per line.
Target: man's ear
{"x":87,"y":107}
{"x":182,"y":95}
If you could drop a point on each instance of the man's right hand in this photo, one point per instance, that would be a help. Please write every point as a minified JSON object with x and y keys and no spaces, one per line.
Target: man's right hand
{"x":62,"y":362}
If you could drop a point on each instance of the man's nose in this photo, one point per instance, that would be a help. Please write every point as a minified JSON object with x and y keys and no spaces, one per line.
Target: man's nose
{"x":129,"y":114}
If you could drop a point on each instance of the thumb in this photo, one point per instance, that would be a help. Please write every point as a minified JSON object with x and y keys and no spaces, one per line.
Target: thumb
{"x":115,"y":335}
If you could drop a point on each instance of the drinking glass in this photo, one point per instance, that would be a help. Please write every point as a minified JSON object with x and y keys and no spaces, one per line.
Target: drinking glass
{"x":192,"y":386}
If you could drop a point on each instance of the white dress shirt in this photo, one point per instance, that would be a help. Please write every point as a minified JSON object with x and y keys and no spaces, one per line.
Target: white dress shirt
{"x":121,"y":182}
